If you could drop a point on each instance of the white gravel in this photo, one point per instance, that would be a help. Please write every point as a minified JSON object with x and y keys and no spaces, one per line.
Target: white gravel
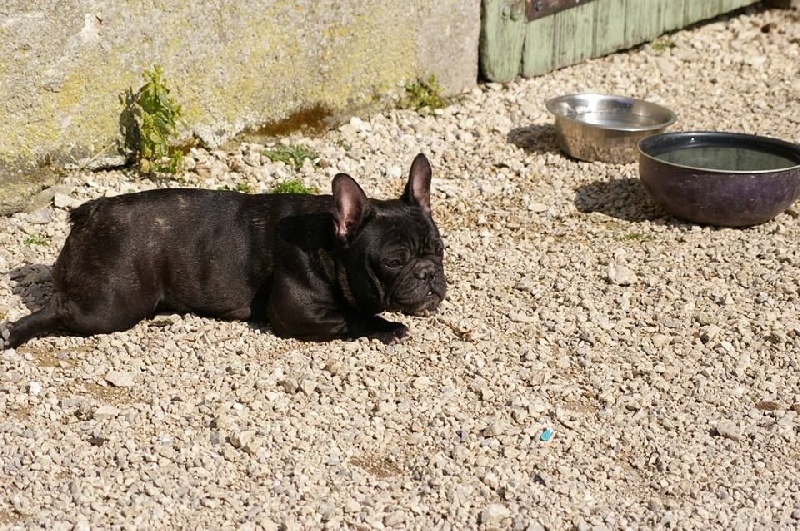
{"x":663,"y":356}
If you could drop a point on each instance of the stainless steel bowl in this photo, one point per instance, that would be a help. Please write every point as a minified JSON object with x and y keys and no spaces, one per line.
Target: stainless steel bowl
{"x":606,"y":128}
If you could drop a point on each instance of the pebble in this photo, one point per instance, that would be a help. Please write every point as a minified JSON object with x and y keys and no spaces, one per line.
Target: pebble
{"x":494,"y":515}
{"x":120,"y":379}
{"x":64,"y":201}
{"x":394,"y":519}
{"x":40,"y":217}
{"x":245,"y":440}
{"x":352,"y":506}
{"x":621,"y":275}
{"x":495,"y":428}
{"x":729,"y":430}
{"x":648,"y":345}
{"x":308,"y":386}
{"x":422,"y":382}
{"x":106,"y":412}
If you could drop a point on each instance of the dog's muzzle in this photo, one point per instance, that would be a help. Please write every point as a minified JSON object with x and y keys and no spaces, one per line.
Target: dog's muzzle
{"x":421,"y":289}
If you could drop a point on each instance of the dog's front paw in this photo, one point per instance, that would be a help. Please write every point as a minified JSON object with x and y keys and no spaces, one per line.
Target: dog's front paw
{"x":394,"y":333}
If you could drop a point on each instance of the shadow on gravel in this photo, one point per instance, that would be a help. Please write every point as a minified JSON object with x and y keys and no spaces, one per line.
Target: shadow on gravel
{"x":33,"y":283}
{"x":619,"y":198}
{"x":536,"y":138}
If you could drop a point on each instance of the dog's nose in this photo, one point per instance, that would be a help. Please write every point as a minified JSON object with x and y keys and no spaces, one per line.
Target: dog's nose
{"x":425,"y":273}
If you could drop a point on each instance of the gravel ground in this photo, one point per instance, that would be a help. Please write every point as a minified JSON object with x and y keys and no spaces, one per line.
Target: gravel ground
{"x":597,"y":365}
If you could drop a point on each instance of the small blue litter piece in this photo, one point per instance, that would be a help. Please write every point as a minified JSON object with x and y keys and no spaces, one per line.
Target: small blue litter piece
{"x":545,"y":435}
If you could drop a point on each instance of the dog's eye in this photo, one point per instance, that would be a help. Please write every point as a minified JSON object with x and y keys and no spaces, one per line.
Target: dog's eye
{"x":396,"y":261}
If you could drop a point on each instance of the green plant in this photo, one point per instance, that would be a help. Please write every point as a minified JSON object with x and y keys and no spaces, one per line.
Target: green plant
{"x":155,"y":114}
{"x":663,"y":43}
{"x":38,"y":239}
{"x":293,"y":186}
{"x":421,"y":94}
{"x":244,"y":188}
{"x":342,"y":144}
{"x":637,"y":237}
{"x":290,"y":155}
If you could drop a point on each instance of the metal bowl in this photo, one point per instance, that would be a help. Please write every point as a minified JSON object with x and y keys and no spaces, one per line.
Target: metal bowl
{"x":605,"y":128}
{"x":726,"y":179}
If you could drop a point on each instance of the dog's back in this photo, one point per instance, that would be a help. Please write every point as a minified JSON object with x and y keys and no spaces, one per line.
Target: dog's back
{"x":177,"y":249}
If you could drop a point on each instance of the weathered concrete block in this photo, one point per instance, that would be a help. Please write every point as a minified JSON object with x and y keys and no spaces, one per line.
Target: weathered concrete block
{"x":230,"y":64}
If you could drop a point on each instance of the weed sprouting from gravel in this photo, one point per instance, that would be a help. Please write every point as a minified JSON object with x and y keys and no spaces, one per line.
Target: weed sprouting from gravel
{"x":155,"y":114}
{"x":293,"y":186}
{"x":242,"y":188}
{"x":662,"y":44}
{"x":37,"y":239}
{"x":637,"y":237}
{"x":424,"y":94}
{"x":291,"y":155}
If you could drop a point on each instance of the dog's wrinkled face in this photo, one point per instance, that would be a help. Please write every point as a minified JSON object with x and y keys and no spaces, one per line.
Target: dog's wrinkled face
{"x":411,"y":268}
{"x":391,"y":250}
{"x":396,"y":263}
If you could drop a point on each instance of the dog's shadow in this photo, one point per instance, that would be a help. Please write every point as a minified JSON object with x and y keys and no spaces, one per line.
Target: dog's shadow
{"x":33,"y":284}
{"x":624,"y":199}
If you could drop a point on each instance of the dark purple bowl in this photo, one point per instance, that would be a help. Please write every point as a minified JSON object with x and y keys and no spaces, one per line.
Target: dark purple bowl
{"x":726,"y":179}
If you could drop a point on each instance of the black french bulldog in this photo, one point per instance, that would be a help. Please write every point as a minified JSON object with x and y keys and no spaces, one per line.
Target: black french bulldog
{"x":315,"y":267}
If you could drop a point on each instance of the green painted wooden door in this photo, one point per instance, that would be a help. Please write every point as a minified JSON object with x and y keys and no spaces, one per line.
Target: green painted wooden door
{"x":513,"y":45}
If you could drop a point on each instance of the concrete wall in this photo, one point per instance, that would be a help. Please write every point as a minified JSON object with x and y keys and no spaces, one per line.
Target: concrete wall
{"x":230,"y":64}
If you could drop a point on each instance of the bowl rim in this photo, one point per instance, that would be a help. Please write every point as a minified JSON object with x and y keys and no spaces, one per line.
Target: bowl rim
{"x":551,"y":104}
{"x":778,"y":146}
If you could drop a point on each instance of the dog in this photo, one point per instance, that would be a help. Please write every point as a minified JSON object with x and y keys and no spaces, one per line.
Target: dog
{"x":315,"y":267}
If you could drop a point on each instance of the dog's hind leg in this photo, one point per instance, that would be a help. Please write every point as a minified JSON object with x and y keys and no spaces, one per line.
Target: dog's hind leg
{"x":42,"y":322}
{"x":64,"y":315}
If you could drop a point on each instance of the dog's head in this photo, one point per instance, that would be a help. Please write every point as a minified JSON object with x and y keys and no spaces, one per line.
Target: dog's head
{"x":391,"y":250}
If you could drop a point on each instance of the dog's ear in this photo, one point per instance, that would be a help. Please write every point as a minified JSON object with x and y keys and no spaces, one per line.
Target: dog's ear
{"x":351,"y":206}
{"x":418,"y":187}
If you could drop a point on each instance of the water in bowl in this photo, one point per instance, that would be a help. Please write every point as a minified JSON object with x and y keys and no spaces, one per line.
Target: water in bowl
{"x":727,"y":158}
{"x":616,"y":120}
